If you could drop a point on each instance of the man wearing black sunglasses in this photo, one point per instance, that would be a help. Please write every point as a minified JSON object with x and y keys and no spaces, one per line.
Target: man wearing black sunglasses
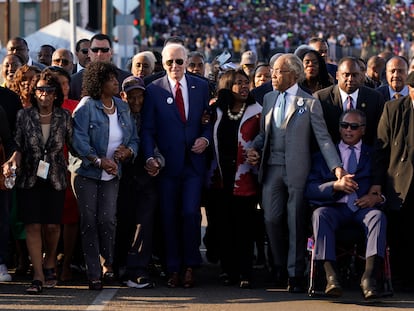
{"x":82,"y":54}
{"x":63,"y":58}
{"x":172,"y":120}
{"x":348,"y":199}
{"x":100,"y":50}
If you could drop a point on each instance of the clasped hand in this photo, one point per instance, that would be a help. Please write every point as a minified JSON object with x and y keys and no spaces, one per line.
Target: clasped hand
{"x":253,"y":156}
{"x":200,"y":145}
{"x":348,"y":185}
{"x":109,"y":165}
{"x":122,"y":153}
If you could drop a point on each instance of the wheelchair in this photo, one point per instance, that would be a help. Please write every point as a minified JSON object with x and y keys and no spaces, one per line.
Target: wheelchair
{"x":350,"y":260}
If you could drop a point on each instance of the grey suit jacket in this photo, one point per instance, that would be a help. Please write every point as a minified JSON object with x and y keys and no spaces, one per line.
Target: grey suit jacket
{"x":301,"y":118}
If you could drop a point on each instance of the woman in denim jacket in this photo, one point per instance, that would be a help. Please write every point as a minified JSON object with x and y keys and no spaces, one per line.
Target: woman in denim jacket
{"x":104,"y":136}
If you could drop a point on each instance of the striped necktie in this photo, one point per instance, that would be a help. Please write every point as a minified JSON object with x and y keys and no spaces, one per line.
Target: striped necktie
{"x":349,"y":104}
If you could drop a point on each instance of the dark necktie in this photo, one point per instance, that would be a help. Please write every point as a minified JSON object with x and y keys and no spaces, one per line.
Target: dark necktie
{"x":180,"y":101}
{"x":352,"y":166}
{"x":397,"y":95}
{"x":349,"y":104}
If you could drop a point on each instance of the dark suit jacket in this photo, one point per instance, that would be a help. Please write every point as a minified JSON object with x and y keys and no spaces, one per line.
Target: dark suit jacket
{"x":163,"y":127}
{"x":77,"y":78}
{"x":319,"y":186}
{"x":369,"y":101}
{"x":394,"y":152}
{"x":260,"y":91}
{"x":385,"y":92}
{"x":11,"y":103}
{"x":38,"y":65}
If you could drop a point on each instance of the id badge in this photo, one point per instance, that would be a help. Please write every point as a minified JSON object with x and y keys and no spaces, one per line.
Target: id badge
{"x":43,"y":169}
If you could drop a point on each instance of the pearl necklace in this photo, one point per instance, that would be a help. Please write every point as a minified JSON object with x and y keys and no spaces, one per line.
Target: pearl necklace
{"x":109,"y":108}
{"x":235,"y":117}
{"x":45,"y":115}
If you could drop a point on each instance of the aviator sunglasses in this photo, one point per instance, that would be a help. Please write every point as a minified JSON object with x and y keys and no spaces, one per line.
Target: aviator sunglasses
{"x":178,"y":61}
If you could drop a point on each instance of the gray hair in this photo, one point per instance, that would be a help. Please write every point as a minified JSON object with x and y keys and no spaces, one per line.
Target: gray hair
{"x":295,"y":64}
{"x":173,"y":46}
{"x":274,"y":58}
{"x":149,"y":56}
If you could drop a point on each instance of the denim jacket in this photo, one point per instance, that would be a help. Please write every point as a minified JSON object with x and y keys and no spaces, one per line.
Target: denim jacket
{"x":91,"y":134}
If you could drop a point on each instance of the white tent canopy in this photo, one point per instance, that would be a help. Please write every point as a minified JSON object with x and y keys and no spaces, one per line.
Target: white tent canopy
{"x":57,"y":34}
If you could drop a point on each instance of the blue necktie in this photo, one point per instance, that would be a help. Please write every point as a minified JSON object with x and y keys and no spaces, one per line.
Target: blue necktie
{"x":352,"y":167}
{"x":280,"y":115}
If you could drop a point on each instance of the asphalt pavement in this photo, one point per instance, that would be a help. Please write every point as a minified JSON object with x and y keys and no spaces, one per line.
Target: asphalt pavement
{"x":208,"y":294}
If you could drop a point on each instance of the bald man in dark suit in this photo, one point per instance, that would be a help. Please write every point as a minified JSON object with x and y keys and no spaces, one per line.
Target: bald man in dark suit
{"x":350,"y":94}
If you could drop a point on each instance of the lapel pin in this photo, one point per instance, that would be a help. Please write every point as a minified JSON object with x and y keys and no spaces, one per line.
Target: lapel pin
{"x":170,"y":100}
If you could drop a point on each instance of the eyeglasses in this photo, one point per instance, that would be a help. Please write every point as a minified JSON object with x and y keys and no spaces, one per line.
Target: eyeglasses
{"x":179,"y":61}
{"x":354,"y":126}
{"x":62,"y":61}
{"x":45,"y":89}
{"x":103,"y":50}
{"x":279,"y":71}
{"x":84,"y":51}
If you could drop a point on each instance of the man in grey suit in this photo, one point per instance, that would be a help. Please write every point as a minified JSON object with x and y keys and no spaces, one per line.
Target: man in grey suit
{"x":289,"y":117}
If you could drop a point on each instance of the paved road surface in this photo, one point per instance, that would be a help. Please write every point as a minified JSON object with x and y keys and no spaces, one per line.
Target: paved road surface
{"x":207,"y":295}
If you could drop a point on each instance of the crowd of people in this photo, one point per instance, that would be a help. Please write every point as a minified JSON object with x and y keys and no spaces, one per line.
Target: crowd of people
{"x":277,"y":149}
{"x":274,"y":26}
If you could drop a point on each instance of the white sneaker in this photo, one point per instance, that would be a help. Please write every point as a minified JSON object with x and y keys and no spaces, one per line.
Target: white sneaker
{"x":141,"y":282}
{"x":4,"y":274}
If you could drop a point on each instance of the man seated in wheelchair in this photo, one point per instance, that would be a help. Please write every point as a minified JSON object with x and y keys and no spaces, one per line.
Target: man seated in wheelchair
{"x":346,"y":200}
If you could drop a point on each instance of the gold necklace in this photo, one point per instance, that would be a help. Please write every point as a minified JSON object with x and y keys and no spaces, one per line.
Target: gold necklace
{"x":235,"y":117}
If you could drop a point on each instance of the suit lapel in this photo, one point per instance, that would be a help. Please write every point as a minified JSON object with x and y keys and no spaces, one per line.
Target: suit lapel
{"x":165,"y":84}
{"x":363,"y":158}
{"x":337,"y":100}
{"x":291,"y":110}
{"x":269,"y":113}
{"x":300,"y":96}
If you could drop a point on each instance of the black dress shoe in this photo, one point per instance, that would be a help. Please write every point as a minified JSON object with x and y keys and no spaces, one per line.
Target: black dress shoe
{"x":369,"y":288}
{"x":333,"y":288}
{"x":296,"y":285}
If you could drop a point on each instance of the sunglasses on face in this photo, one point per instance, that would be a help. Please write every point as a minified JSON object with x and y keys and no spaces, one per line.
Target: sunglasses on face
{"x":45,"y":89}
{"x":103,"y":50}
{"x":62,"y":61}
{"x":179,"y":61}
{"x":84,"y":51}
{"x":354,"y":126}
